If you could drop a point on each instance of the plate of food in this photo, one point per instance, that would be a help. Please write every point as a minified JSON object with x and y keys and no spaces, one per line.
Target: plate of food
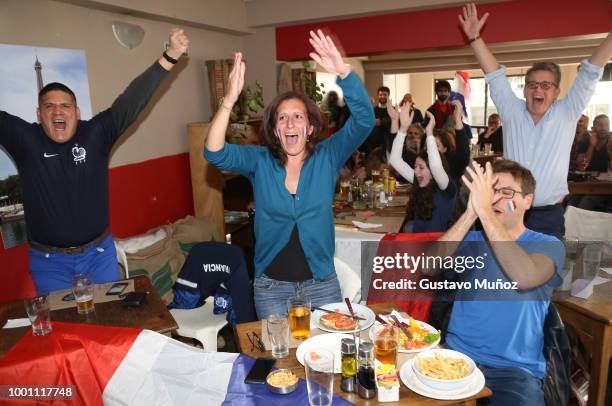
{"x":340,"y":321}
{"x":424,"y":336}
{"x":330,"y":342}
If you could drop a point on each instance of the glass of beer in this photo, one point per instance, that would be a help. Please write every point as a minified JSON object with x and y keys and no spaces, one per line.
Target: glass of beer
{"x":376,"y":176}
{"x":345,"y":185}
{"x":82,"y":288}
{"x":299,"y":316}
{"x":386,"y":342}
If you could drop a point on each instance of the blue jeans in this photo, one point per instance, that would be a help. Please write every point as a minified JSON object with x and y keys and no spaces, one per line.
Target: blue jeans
{"x":512,"y":387}
{"x":54,"y":271}
{"x":271,"y":295}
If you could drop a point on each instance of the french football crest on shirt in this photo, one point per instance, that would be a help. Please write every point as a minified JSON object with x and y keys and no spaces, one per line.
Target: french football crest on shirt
{"x":79,"y":154}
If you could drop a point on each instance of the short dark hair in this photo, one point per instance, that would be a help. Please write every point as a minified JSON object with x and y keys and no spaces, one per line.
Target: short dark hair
{"x":384,"y":89}
{"x":442,"y":84}
{"x":598,"y":117}
{"x":55,"y":86}
{"x":269,"y":124}
{"x":519,"y":173}
{"x":547,"y":66}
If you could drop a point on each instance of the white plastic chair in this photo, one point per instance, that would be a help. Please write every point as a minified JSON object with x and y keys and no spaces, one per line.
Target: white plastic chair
{"x":350,"y":281}
{"x":200,"y":323}
{"x":122,"y":259}
{"x":587,"y":225}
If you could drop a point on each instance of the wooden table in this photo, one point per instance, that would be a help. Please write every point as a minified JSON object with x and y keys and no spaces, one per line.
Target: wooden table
{"x":291,"y":362}
{"x":590,"y":187}
{"x":592,"y":320}
{"x":483,"y":159}
{"x":392,"y":217}
{"x":151,"y":315}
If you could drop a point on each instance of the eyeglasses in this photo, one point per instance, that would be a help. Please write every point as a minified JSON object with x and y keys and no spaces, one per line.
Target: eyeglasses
{"x":506,"y":192}
{"x":543,"y":85}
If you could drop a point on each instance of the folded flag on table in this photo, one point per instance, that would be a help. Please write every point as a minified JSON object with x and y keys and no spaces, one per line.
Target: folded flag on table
{"x":126,"y":366}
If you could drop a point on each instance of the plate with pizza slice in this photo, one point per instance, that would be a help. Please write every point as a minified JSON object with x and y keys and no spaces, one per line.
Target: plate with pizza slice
{"x":334,"y":322}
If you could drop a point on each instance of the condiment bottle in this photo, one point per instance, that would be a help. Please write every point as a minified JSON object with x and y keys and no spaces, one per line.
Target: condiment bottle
{"x":366,"y":378}
{"x":349,"y":368}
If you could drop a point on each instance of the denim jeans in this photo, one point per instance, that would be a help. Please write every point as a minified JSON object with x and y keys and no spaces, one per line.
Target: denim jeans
{"x":271,"y":295}
{"x":512,"y":387}
{"x":54,"y":271}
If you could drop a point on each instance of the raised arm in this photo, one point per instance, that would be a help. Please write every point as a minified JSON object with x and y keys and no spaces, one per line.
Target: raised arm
{"x":132,"y":101}
{"x":361,"y":121}
{"x":433,"y":155}
{"x":395,"y":158}
{"x":462,"y":142}
{"x":603,"y":52}
{"x":394,"y":116}
{"x":216,"y":135}
{"x":471,"y":26}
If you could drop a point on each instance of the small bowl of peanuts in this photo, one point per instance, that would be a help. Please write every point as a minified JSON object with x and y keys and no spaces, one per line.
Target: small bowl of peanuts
{"x":282,"y":381}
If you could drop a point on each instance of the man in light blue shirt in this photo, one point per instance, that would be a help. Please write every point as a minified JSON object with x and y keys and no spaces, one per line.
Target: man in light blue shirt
{"x":539,"y":131}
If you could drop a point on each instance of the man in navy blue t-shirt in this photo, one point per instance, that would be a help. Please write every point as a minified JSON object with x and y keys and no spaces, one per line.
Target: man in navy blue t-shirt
{"x":63,"y":168}
{"x":504,"y":331}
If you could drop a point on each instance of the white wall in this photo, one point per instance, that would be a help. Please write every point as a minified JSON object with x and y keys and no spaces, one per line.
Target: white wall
{"x":184,"y":97}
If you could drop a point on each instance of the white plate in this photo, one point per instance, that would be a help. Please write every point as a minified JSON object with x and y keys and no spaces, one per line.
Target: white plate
{"x":425,"y":325}
{"x":330,"y":342}
{"x":412,"y":382}
{"x":359,"y":310}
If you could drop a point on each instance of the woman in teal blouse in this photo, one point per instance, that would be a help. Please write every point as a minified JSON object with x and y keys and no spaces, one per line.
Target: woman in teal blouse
{"x":293,"y":177}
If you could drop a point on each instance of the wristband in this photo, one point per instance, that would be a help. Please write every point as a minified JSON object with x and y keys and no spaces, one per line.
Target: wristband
{"x":475,"y":38}
{"x":169,"y":58}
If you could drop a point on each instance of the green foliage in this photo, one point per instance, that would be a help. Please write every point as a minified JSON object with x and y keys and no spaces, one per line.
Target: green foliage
{"x":312,"y":89}
{"x":12,"y":188}
{"x":255,"y":98}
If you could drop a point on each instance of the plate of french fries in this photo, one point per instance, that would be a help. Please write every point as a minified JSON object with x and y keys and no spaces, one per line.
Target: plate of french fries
{"x":442,"y":374}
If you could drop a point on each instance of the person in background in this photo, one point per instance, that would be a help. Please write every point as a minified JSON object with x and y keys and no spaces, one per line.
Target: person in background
{"x":454,"y":143}
{"x":432,"y":197}
{"x":581,"y":141}
{"x":381,"y":134}
{"x":418,"y":116}
{"x":540,"y":129}
{"x":332,"y":104}
{"x":293,"y":178}
{"x":493,"y":134}
{"x":63,"y":168}
{"x":442,"y":109}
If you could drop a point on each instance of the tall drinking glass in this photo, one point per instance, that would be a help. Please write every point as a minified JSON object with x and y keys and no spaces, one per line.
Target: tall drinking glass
{"x":82,"y":287}
{"x":591,"y":260}
{"x":319,"y":366}
{"x":38,"y":309}
{"x":278,"y":333}
{"x":386,"y":343}
{"x":299,"y":316}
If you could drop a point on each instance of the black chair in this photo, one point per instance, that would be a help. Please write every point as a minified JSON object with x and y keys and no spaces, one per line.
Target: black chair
{"x":557,"y":352}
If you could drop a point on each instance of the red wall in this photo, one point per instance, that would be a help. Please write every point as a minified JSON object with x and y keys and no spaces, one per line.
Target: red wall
{"x":439,"y":28}
{"x":142,"y":196}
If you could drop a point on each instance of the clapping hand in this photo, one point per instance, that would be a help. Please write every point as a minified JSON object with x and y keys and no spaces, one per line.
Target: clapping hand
{"x":327,"y":55}
{"x":431,"y":124}
{"x":235,"y":81}
{"x":469,"y":21}
{"x":178,"y":43}
{"x":481,"y":187}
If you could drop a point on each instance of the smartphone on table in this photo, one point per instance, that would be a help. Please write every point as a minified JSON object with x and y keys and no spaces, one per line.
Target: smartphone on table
{"x":117,"y":288}
{"x":260,"y":370}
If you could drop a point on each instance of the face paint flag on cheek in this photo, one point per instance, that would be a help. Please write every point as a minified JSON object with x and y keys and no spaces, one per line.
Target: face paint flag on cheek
{"x":511,"y":205}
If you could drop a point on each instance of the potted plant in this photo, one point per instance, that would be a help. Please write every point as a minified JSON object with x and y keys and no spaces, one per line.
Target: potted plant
{"x":249,"y":102}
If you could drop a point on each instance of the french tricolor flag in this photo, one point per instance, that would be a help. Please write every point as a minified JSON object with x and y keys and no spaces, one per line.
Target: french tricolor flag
{"x":127,"y":366}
